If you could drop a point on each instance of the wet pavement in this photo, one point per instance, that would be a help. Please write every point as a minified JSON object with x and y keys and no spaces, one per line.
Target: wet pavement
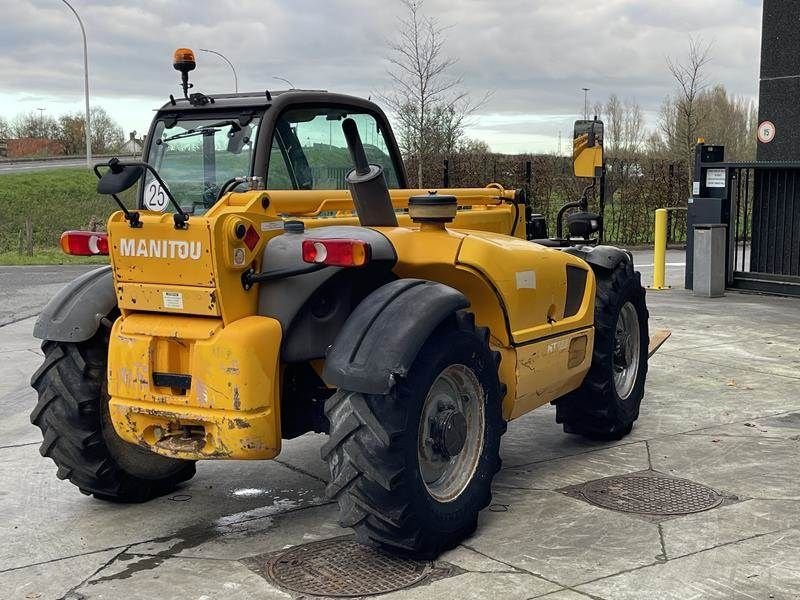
{"x":722,"y":409}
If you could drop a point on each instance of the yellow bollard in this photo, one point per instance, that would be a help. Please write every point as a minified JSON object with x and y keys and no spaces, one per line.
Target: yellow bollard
{"x":660,"y":250}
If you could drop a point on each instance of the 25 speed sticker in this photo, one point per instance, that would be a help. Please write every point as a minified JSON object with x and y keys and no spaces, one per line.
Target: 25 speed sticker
{"x":155,"y":198}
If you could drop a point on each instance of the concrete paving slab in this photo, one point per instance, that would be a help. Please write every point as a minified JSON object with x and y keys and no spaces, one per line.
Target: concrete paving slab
{"x":562,"y":539}
{"x":567,"y":595}
{"x":251,"y":537}
{"x":682,"y":396}
{"x":573,"y":470}
{"x":470,"y":560}
{"x":779,"y":426}
{"x":746,"y":466}
{"x":46,"y":519}
{"x":145,"y":577}
{"x":473,"y":586}
{"x":536,"y":437}
{"x":726,"y":524}
{"x":52,"y":579}
{"x":766,"y":566}
{"x":303,"y":453}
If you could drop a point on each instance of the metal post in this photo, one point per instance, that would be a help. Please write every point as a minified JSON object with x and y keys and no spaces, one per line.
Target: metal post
{"x":88,"y":127}
{"x":660,"y":250}
{"x":230,"y":64}
{"x":446,"y":174}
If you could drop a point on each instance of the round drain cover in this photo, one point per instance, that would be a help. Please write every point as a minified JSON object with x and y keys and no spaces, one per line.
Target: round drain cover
{"x":343,"y":568}
{"x":651,"y":495}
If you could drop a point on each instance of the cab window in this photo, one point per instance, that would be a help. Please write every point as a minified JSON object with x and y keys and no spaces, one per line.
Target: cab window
{"x":309,"y":151}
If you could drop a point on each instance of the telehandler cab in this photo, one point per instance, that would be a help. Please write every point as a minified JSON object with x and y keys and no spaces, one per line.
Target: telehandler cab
{"x":278,"y":277}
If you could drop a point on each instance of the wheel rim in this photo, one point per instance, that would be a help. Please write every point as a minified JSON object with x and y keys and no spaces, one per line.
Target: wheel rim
{"x":451,"y":432}
{"x":626,"y":350}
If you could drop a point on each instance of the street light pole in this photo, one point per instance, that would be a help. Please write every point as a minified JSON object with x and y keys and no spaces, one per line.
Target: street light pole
{"x":230,"y":64}
{"x":88,"y":127}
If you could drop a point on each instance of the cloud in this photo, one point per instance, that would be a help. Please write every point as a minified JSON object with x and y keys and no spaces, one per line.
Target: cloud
{"x":534,"y":55}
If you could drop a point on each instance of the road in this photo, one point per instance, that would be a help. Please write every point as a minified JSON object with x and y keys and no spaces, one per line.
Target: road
{"x":24,"y":166}
{"x":25,"y":290}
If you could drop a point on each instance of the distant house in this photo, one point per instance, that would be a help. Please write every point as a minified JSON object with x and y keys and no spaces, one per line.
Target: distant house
{"x":133,"y":146}
{"x":29,"y":147}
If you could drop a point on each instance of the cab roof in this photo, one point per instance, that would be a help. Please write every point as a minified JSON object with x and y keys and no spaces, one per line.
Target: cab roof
{"x":264,"y":99}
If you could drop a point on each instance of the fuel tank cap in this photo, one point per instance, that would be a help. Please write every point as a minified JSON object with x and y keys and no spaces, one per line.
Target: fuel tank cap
{"x":432,"y":208}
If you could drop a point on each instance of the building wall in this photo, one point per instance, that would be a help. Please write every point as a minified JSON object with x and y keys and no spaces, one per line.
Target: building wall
{"x":779,"y":90}
{"x":24,"y":147}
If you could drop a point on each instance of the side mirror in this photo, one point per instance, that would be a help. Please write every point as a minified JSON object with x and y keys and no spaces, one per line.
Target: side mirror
{"x":238,"y":138}
{"x":118,"y":178}
{"x":587,"y":148}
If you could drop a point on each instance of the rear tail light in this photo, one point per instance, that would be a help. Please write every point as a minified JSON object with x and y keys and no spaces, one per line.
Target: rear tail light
{"x":337,"y":252}
{"x":84,"y":243}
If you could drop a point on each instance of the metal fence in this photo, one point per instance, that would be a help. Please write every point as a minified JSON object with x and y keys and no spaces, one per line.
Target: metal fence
{"x":765,"y":236}
{"x":633,"y":189}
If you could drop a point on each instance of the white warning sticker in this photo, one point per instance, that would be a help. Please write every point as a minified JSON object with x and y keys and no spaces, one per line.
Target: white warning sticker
{"x":173,"y":300}
{"x":526,"y":280}
{"x":271,"y":225}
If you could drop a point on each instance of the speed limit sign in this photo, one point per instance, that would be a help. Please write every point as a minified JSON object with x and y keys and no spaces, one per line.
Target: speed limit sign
{"x":766,"y":132}
{"x":155,"y":198}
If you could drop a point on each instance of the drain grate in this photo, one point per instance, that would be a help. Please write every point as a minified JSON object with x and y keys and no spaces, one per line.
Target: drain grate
{"x":650,"y":494}
{"x":342,"y":567}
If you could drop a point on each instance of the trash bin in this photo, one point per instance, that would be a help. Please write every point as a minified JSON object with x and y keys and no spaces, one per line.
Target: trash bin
{"x":709,"y":260}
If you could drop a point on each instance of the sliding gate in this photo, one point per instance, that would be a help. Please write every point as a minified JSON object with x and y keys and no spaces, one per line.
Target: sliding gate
{"x":760,"y":204}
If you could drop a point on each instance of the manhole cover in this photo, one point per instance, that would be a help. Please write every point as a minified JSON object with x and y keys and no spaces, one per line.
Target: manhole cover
{"x":651,"y":495}
{"x":343,"y":568}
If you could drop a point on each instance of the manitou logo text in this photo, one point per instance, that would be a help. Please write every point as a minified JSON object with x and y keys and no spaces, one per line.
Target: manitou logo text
{"x":160,"y":248}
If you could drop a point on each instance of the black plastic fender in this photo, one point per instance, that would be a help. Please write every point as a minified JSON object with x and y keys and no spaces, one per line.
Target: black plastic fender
{"x":606,"y":257}
{"x":75,"y":312}
{"x":381,"y":338}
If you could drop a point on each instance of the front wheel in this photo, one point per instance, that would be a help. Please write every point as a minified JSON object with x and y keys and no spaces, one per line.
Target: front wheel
{"x":412,"y":469}
{"x":607,"y":403}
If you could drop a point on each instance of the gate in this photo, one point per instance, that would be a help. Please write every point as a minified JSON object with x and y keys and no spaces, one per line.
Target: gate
{"x":760,"y":204}
{"x":764,"y":249}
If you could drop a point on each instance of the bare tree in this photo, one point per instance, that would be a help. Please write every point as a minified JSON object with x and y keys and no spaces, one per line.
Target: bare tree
{"x":33,"y":125}
{"x":624,"y":126}
{"x":5,"y":129}
{"x":429,"y":104}
{"x":681,"y":116}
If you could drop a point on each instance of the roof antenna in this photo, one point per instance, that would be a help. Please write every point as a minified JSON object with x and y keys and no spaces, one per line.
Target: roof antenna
{"x":291,"y":85}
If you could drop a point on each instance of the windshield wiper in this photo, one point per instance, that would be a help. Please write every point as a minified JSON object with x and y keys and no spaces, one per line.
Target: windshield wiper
{"x":210,"y":128}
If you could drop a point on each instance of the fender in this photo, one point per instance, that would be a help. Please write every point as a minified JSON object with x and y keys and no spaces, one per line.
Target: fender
{"x":606,"y":257}
{"x":381,"y":338}
{"x":74,"y":313}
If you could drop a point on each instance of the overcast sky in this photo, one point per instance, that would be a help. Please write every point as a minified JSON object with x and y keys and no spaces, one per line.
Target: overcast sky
{"x":535,"y":55}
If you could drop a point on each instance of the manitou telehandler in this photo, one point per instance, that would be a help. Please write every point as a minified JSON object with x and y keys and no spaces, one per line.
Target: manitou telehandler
{"x":277,"y":276}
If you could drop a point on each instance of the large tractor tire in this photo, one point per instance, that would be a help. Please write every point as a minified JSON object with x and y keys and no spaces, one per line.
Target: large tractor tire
{"x":72,"y":413}
{"x":412,"y":469}
{"x":607,"y":403}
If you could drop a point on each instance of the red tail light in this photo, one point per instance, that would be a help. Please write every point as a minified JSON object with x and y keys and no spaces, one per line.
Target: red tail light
{"x":84,"y":243}
{"x":337,"y":252}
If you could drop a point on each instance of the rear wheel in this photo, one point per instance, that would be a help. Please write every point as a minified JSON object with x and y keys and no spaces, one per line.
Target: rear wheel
{"x":412,"y":469}
{"x":607,"y":403}
{"x":73,"y":414}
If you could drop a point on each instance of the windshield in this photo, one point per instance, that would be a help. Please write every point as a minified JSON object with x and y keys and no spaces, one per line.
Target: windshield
{"x":309,"y":151}
{"x":195,"y":157}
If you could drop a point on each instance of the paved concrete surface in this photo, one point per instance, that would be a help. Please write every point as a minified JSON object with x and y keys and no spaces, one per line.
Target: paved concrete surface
{"x":25,"y":290}
{"x":722,"y":408}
